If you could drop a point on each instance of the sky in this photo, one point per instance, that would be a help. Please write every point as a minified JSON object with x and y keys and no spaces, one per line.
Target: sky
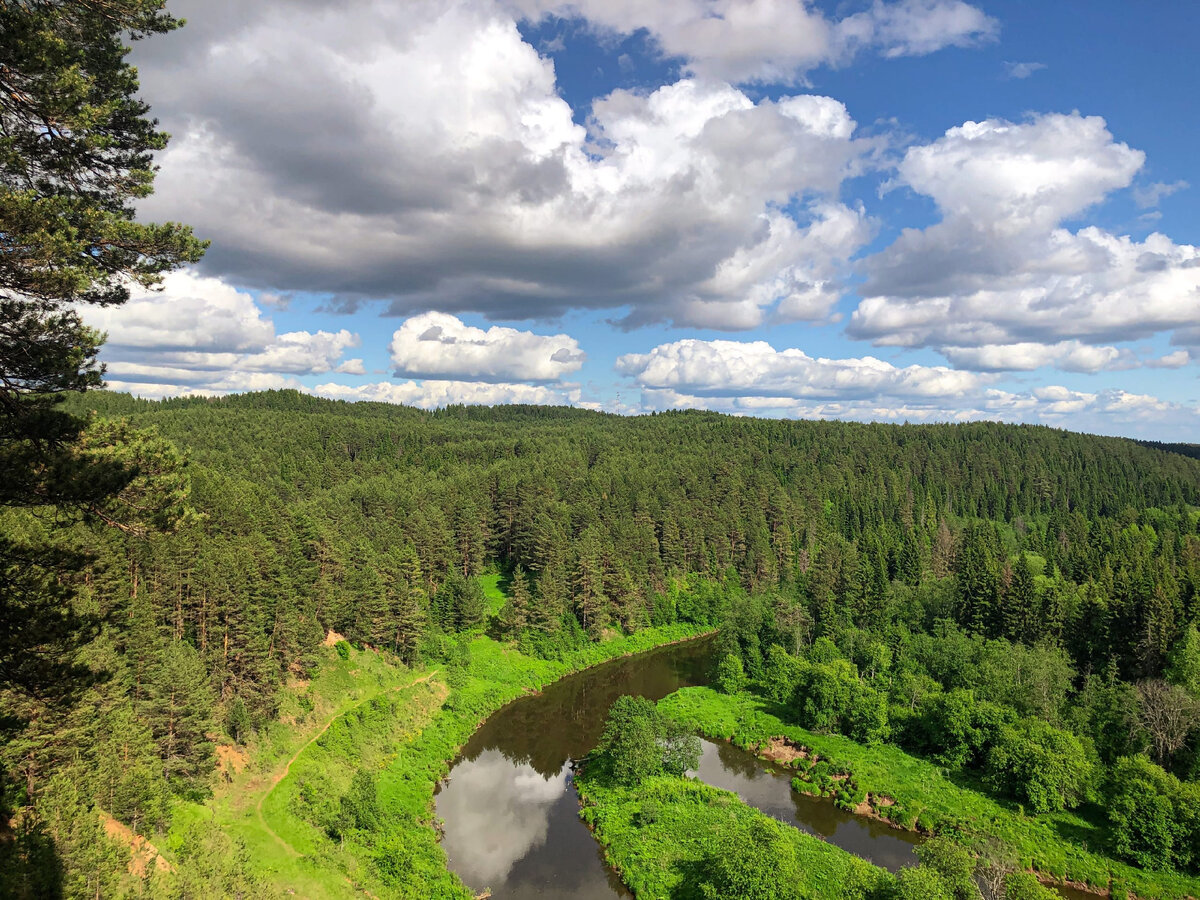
{"x":878,"y":210}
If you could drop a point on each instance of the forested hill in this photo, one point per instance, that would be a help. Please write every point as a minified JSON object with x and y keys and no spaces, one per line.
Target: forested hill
{"x":337,"y":504}
{"x":937,"y":543}
{"x":1192,"y":450}
{"x":985,"y":469}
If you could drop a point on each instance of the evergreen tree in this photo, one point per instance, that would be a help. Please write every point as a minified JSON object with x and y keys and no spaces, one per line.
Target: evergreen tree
{"x":978,"y":580}
{"x":180,"y":709}
{"x":516,"y":616}
{"x":1019,"y":603}
{"x":1183,"y":664}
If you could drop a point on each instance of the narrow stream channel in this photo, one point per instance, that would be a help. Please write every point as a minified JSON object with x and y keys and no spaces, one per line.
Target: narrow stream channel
{"x":768,"y":787}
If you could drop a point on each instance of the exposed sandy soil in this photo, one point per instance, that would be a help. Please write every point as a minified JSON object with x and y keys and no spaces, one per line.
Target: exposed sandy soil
{"x":143,"y":854}
{"x":785,"y":750}
{"x":231,"y":759}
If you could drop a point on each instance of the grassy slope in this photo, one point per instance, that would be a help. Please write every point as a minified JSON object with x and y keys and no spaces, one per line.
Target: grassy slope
{"x":242,"y":804}
{"x":654,"y":833}
{"x":1056,"y":845}
{"x":491,"y":590}
{"x":407,"y":727}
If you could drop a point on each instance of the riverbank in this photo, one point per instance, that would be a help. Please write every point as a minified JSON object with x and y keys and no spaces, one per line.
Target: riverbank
{"x":402,"y":730}
{"x":667,"y":834}
{"x":914,"y":794}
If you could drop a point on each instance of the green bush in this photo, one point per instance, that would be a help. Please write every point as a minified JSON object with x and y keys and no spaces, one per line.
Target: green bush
{"x":638,"y":742}
{"x":1040,"y":765}
{"x":729,"y":677}
{"x":1023,"y":886}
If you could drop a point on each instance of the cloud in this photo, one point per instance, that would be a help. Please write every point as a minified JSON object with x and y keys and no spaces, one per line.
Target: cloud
{"x":1174,"y":360}
{"x":473,"y":188}
{"x":1018,"y":177}
{"x":756,"y":369}
{"x":433,"y":393}
{"x":1150,"y":195}
{"x":438,"y":345}
{"x":200,"y":335}
{"x":1000,"y":268}
{"x":753,"y":378}
{"x":1071,"y":356}
{"x":776,"y":41}
{"x":1022,"y":70}
{"x":486,"y":839}
{"x":1110,"y":411}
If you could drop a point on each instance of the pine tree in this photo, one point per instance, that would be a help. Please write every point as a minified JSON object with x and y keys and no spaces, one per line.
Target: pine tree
{"x":1019,"y":604}
{"x":408,"y":622}
{"x":517,"y":611}
{"x":549,"y":605}
{"x":128,"y":771}
{"x":591,"y":603}
{"x":180,"y":709}
{"x":977,"y":580}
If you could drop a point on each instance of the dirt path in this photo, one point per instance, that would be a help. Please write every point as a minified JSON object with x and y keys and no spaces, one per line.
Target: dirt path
{"x":279,"y":776}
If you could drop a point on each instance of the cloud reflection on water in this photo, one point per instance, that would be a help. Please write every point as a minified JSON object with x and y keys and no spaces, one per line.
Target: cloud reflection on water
{"x":495,"y":813}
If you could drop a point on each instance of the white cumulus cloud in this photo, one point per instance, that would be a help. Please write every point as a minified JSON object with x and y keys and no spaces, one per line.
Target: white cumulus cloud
{"x":427,"y":159}
{"x":753,"y":378}
{"x":1071,"y":356}
{"x":777,"y":40}
{"x":432,"y":393}
{"x":755,"y":368}
{"x":1001,"y":270}
{"x":439,"y":345}
{"x":200,"y":335}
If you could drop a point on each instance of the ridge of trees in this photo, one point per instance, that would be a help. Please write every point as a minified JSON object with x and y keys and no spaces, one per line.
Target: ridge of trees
{"x":960,"y":578}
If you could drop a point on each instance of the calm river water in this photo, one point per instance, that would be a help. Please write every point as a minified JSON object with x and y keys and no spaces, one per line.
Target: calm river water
{"x":510,"y":809}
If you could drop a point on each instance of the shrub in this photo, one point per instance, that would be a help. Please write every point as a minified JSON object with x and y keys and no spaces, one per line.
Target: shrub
{"x":752,"y":863}
{"x":638,"y":742}
{"x":237,"y":720}
{"x":1024,"y":886}
{"x":1041,"y":765}
{"x":1141,"y":800}
{"x":729,"y":677}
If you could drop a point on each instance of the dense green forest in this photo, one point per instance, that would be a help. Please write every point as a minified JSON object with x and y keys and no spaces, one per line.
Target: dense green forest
{"x":992,"y":628}
{"x":1016,"y":602}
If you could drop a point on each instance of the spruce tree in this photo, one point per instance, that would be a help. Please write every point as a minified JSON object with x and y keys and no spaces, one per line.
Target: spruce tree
{"x":180,"y":711}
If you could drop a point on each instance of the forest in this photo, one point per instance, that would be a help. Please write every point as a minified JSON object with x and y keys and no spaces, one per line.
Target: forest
{"x":1017,"y":603}
{"x":243,"y":638}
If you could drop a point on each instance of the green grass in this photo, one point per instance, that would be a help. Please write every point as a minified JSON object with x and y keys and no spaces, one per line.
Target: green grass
{"x":406,"y":733}
{"x":339,"y":688}
{"x":491,"y":590}
{"x":1061,"y":846}
{"x":658,"y":834}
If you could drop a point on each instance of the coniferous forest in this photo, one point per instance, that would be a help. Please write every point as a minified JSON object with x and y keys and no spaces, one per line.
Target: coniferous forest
{"x":1014,"y":602}
{"x":243,"y":639}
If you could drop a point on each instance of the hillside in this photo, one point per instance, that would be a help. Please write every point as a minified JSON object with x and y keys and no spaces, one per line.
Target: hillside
{"x":928,"y":558}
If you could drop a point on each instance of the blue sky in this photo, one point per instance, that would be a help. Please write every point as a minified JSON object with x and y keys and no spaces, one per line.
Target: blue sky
{"x":920,"y":210}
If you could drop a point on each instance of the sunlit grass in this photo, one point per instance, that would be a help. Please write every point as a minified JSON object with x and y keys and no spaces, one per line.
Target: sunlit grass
{"x":1060,"y":845}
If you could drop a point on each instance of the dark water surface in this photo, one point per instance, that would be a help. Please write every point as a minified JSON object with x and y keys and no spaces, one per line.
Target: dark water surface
{"x":510,"y":809}
{"x":768,"y":787}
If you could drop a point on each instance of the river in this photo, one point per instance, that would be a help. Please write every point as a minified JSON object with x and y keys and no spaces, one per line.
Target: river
{"x":510,"y":809}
